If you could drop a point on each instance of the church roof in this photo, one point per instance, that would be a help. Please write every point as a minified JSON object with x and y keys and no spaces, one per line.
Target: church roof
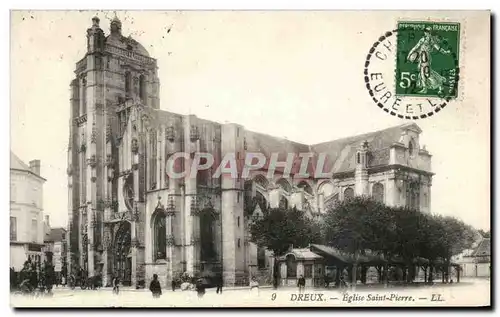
{"x":341,"y":152}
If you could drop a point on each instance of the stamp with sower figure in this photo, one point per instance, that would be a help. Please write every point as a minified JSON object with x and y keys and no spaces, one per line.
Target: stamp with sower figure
{"x":424,"y":77}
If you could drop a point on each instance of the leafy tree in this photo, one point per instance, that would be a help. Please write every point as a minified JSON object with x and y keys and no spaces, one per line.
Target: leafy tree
{"x":359,"y":224}
{"x":281,"y":228}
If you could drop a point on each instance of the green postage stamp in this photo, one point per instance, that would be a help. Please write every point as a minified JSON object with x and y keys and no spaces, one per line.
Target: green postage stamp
{"x":427,"y":59}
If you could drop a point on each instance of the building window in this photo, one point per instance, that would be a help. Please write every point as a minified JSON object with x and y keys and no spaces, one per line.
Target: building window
{"x":152,"y":161}
{"x":238,"y":221}
{"x":13,"y":229}
{"x":291,"y":266}
{"x":283,"y":203}
{"x":239,"y":242}
{"x":308,"y":270}
{"x":12,"y":192}
{"x":358,"y":158}
{"x":84,"y":96}
{"x":425,"y":201}
{"x":238,"y":198}
{"x":160,"y":236}
{"x":348,"y":193}
{"x":411,"y":147}
{"x":142,"y":88}
{"x":34,"y":230}
{"x":207,"y":235}
{"x":413,"y":196}
{"x":128,"y":83}
{"x":378,"y":192}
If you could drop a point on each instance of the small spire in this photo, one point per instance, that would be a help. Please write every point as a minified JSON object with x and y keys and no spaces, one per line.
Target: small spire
{"x":116,"y":25}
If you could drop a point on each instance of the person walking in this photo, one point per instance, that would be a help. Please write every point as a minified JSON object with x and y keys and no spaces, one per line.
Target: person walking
{"x":116,"y":285}
{"x":155,"y":286}
{"x":254,"y":285}
{"x":301,"y":283}
{"x":200,"y":288}
{"x":219,"y":284}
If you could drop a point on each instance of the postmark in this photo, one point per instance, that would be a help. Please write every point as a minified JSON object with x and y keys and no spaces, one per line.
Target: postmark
{"x":412,"y":72}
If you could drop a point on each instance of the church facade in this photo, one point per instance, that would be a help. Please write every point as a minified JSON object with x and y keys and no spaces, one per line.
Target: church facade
{"x":128,"y":218}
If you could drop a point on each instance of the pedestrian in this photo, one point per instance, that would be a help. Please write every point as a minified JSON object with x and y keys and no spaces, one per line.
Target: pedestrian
{"x":116,"y":285}
{"x":200,"y":288}
{"x":254,"y":285}
{"x":301,"y":283}
{"x":155,"y":286}
{"x":219,"y":284}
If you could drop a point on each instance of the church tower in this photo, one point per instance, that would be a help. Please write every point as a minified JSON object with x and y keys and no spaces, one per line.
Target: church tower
{"x":115,"y":73}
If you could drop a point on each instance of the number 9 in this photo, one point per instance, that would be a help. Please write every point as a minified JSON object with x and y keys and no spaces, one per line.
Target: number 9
{"x":273,"y":297}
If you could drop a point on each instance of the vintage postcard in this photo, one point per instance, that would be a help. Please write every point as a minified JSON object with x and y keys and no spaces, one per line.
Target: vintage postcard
{"x":250,"y":159}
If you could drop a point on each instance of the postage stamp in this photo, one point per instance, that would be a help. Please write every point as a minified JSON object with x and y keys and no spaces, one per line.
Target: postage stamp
{"x":427,"y":56}
{"x":412,"y":72}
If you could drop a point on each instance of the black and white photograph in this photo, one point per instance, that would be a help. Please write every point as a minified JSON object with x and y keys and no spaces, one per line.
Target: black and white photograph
{"x":259,"y":159}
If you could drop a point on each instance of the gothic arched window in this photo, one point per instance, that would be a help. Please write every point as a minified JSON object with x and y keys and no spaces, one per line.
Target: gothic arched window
{"x":378,"y":192}
{"x":305,"y":186}
{"x":413,"y":196}
{"x":152,"y":160}
{"x":160,"y":235}
{"x":348,"y":193}
{"x":261,"y":180}
{"x":411,"y":147}
{"x":207,"y":235}
{"x":128,"y":83}
{"x":142,"y":88}
{"x":128,"y":192}
{"x":283,"y":203}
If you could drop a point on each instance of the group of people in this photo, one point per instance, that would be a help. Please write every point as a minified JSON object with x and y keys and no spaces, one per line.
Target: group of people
{"x":185,"y":282}
{"x":33,"y":277}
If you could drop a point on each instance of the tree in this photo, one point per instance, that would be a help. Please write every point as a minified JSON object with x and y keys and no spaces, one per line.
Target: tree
{"x":280,"y":228}
{"x":456,"y":237}
{"x":357,"y":224}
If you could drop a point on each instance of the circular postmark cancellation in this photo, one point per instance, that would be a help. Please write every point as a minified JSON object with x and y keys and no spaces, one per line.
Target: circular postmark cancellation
{"x":412,"y":72}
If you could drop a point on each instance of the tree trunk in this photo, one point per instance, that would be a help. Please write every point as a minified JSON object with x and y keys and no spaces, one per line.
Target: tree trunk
{"x":386,"y":275}
{"x":425,"y":274}
{"x":431,"y":269}
{"x":355,"y":270}
{"x":458,"y":274}
{"x":275,"y":273}
{"x":338,"y":270}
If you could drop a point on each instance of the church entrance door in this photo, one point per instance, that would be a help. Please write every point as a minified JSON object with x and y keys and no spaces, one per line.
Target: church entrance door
{"x":122,"y":259}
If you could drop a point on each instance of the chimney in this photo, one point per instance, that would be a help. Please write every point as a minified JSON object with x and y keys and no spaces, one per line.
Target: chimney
{"x":35,"y":166}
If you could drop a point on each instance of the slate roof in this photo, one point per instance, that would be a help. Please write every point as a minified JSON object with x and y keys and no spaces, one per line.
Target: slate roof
{"x":17,"y":164}
{"x":483,"y":249}
{"x":340,"y":153}
{"x":302,"y":254}
{"x":55,"y":234}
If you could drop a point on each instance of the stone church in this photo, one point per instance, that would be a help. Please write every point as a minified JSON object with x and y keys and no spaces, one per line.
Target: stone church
{"x":127,"y":218}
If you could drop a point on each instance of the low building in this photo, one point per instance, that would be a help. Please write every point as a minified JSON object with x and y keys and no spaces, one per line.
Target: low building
{"x":476,"y":262}
{"x":301,"y":262}
{"x":26,"y":212}
{"x":55,"y":250}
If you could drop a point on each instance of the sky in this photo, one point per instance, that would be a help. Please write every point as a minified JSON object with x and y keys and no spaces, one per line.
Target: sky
{"x":289,"y":74}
